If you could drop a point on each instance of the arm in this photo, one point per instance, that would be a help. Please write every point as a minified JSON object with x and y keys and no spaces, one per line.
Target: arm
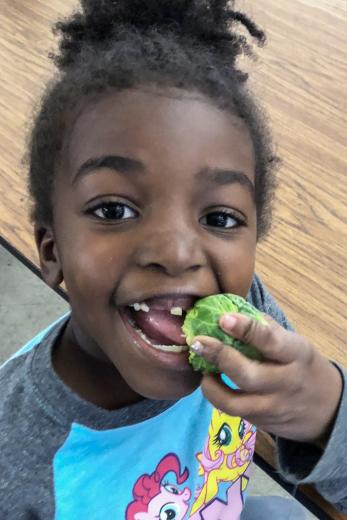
{"x":304,"y":463}
{"x":326,"y":468}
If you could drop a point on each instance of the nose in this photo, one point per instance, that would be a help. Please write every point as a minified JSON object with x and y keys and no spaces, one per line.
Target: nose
{"x":172,"y":249}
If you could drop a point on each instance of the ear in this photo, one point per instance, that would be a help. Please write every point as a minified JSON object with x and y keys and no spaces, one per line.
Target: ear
{"x":49,"y":257}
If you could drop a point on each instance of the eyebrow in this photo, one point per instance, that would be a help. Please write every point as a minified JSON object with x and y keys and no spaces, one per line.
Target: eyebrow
{"x":223,"y":176}
{"x":127,"y":165}
{"x":118,"y":163}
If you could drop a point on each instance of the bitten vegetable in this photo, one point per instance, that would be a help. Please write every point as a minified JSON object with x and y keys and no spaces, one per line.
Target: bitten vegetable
{"x":203,"y":318}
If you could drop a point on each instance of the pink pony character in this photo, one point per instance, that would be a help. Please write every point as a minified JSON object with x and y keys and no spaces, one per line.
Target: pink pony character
{"x":155,"y":499}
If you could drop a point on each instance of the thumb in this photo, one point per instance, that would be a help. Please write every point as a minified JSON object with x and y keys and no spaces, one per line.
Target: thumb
{"x":242,"y":327}
{"x":267,"y":336}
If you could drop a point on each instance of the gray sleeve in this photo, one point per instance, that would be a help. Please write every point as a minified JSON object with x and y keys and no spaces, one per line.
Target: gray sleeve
{"x":260,"y":297}
{"x":303,"y":463}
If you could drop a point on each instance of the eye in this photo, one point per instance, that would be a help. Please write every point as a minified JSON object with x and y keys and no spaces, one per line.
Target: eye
{"x":242,"y":428}
{"x":113,"y":211}
{"x":222,"y":219}
{"x":224,"y":436}
{"x":171,"y":489}
{"x":169,"y":511}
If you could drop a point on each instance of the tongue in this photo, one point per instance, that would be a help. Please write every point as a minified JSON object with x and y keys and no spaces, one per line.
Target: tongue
{"x":161,"y":327}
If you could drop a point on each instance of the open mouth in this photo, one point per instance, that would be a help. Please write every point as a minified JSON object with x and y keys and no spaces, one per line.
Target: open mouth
{"x":158,"y":322}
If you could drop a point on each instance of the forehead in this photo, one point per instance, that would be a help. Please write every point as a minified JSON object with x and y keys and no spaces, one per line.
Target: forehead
{"x":160,"y":127}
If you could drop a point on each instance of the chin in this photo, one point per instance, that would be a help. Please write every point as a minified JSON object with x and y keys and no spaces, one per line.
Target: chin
{"x":164,"y":391}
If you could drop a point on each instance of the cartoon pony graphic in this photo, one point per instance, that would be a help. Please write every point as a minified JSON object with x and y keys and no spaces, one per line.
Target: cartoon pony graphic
{"x":155,"y":499}
{"x":228,"y":451}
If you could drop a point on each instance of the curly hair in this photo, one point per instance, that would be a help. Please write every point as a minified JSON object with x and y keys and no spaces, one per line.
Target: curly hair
{"x":118,"y":44}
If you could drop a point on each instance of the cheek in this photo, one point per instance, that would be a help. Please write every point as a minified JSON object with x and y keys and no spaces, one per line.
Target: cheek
{"x":90,"y":267}
{"x":236,"y":268}
{"x":157,"y":502}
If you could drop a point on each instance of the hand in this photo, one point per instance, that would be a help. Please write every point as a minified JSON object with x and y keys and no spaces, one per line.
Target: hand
{"x":293,"y":393}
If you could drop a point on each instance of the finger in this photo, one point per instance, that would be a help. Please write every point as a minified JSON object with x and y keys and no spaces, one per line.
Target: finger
{"x":272,"y":340}
{"x":248,"y":375}
{"x":258,"y":409}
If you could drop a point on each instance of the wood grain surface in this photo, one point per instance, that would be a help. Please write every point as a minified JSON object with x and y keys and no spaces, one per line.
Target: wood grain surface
{"x":301,"y":78}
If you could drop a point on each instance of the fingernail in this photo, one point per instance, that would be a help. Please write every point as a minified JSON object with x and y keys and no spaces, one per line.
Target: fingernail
{"x":228,"y":321}
{"x":197,"y":347}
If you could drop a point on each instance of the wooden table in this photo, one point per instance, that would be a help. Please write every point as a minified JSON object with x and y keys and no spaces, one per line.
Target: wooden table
{"x":301,"y":76}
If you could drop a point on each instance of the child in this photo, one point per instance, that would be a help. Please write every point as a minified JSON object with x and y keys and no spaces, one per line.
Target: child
{"x":151,"y":173}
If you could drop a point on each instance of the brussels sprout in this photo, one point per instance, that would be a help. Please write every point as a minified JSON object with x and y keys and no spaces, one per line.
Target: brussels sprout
{"x":203,"y":320}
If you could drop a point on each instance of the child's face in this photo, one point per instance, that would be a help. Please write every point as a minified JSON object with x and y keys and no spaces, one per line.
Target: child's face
{"x":146,"y":205}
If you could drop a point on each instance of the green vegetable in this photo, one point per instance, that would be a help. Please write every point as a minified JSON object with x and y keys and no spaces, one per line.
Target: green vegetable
{"x":203,"y":318}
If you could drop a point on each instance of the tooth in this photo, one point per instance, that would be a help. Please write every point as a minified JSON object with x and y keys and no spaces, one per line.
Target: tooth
{"x":144,"y":307}
{"x":170,"y":348}
{"x":137,"y":306}
{"x":176,"y":311}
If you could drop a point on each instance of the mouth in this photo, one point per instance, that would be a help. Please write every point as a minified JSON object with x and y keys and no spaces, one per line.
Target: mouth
{"x":157,"y":322}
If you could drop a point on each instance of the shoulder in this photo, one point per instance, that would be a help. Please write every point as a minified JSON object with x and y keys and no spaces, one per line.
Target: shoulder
{"x":261,"y":298}
{"x":16,"y":424}
{"x":29,"y":438}
{"x":16,"y":382}
{"x":19,"y":409}
{"x":24,"y":418}
{"x":12,"y":383}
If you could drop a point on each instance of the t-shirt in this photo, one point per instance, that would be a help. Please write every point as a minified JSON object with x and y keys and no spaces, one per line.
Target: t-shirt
{"x":64,"y":458}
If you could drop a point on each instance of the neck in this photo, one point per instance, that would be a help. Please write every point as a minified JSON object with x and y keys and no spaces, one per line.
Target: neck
{"x":93,"y":378}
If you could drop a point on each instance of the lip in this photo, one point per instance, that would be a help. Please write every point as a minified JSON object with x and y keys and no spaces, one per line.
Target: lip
{"x":175,"y":361}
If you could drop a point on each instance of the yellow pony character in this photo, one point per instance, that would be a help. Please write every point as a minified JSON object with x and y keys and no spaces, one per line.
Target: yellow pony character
{"x":228,"y":451}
